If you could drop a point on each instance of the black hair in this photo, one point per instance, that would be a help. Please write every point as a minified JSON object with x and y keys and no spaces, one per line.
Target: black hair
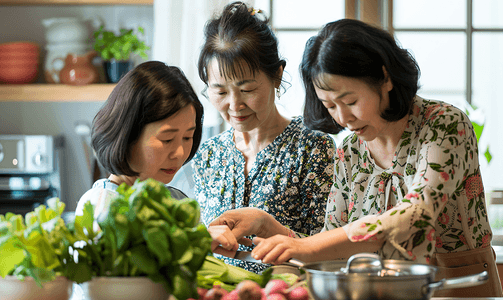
{"x":239,"y":36}
{"x":355,"y":49}
{"x":151,"y":92}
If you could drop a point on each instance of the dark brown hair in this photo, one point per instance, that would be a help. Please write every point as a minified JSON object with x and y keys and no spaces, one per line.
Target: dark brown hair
{"x":355,"y":49}
{"x":151,"y":92}
{"x":240,"y":35}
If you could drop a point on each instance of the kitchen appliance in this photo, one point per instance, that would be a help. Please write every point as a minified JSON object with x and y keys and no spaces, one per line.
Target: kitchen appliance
{"x":30,"y":171}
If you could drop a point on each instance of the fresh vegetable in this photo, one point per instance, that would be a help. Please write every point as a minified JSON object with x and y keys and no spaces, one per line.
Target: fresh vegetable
{"x":275,"y":289}
{"x":248,"y":289}
{"x":276,"y":286}
{"x":215,"y":293}
{"x":36,"y":245}
{"x":298,"y":293}
{"x":145,"y":232}
{"x":215,"y":270}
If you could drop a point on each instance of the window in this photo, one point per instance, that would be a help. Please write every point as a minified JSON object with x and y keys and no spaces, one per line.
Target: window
{"x":457,"y":44}
{"x":294,"y":22}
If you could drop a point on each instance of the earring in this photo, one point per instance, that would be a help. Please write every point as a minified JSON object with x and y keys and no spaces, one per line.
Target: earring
{"x":278,"y":94}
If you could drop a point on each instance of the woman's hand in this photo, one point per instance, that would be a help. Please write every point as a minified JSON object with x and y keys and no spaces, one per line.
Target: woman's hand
{"x":279,"y":249}
{"x":224,"y":241}
{"x":247,"y":221}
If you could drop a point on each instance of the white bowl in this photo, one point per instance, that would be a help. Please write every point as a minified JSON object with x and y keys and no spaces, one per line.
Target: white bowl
{"x":12,"y":288}
{"x":124,"y":288}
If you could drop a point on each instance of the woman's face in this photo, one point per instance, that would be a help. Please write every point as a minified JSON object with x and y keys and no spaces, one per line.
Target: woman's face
{"x":245,"y":102}
{"x":164,"y":146}
{"x":355,"y":105}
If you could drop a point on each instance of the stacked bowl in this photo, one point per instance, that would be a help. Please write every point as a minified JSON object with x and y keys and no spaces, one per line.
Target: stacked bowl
{"x":19,"y":62}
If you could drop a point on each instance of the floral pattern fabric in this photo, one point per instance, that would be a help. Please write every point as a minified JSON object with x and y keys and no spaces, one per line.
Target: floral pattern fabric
{"x":290,"y":179}
{"x":430,"y":200}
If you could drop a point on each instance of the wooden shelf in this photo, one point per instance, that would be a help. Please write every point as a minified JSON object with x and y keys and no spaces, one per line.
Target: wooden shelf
{"x":76,"y":2}
{"x":54,"y":92}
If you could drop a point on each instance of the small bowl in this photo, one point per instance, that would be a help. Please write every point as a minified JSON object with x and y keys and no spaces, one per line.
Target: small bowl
{"x":20,"y":47}
{"x":124,"y":288}
{"x":12,"y":288}
{"x":18,"y":74}
{"x":9,"y":55}
{"x":18,"y":62}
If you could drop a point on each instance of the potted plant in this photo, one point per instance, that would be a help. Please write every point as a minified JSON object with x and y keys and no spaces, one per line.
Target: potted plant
{"x":33,"y":254}
{"x":147,"y":242}
{"x":116,"y":51}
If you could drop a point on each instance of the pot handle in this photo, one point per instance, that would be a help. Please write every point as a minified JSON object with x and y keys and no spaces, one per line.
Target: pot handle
{"x":456,"y":282}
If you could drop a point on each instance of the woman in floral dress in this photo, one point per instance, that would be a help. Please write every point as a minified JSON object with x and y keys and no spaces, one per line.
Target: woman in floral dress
{"x":266,"y":166}
{"x":407,"y":180}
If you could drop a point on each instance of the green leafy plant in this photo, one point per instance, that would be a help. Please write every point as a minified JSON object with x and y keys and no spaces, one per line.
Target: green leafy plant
{"x":119,"y":47}
{"x":478,"y":126}
{"x":145,"y":232}
{"x":37,"y":245}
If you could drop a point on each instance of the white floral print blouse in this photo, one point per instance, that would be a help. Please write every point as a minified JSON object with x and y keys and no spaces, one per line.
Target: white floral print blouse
{"x":417,"y":205}
{"x":290,"y":179}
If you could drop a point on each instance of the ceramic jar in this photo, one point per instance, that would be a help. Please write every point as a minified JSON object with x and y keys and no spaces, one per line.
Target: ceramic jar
{"x":66,"y":36}
{"x":69,"y":30}
{"x":79,"y":69}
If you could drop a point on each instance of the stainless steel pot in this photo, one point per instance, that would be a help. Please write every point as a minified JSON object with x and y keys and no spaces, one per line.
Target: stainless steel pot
{"x":365,"y":276}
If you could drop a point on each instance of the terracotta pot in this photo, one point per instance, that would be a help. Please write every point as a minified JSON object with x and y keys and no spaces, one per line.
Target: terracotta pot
{"x":79,"y":70}
{"x":12,"y":288}
{"x":124,"y":288}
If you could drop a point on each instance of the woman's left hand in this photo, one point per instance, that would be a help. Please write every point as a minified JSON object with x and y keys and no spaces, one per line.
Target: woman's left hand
{"x":224,"y":242}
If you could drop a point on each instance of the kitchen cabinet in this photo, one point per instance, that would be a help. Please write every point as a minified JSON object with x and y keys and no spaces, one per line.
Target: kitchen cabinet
{"x":60,"y":92}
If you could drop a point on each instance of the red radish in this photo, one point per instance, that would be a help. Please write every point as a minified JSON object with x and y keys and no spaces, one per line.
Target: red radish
{"x":232,"y":295}
{"x":276,"y":296}
{"x":201,"y":292}
{"x":249,"y":290}
{"x":215,"y":293}
{"x":298,"y":293}
{"x":276,"y":286}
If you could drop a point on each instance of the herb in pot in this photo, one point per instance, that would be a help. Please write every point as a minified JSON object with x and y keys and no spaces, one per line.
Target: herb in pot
{"x":121,"y":46}
{"x":36,"y":245}
{"x":146,"y":232}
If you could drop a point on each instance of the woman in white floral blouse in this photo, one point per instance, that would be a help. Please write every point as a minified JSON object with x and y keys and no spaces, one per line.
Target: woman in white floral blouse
{"x":266,"y":166}
{"x":407,"y":180}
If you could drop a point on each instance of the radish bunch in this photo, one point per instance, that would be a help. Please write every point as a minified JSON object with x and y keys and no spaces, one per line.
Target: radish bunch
{"x":275,"y":289}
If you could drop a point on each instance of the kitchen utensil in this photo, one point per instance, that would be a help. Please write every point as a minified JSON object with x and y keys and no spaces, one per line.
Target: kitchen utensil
{"x":79,"y":69}
{"x":246,"y":256}
{"x":366,"y":276}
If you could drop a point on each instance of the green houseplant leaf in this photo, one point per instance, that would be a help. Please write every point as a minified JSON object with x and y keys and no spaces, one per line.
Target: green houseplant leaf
{"x":121,"y":46}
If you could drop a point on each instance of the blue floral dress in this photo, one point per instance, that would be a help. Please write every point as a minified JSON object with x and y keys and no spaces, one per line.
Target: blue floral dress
{"x":430,"y":200}
{"x":290,"y":179}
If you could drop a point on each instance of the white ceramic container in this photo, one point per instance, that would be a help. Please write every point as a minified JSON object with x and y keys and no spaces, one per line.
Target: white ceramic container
{"x":69,"y":30}
{"x":124,"y":288}
{"x":12,"y":288}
